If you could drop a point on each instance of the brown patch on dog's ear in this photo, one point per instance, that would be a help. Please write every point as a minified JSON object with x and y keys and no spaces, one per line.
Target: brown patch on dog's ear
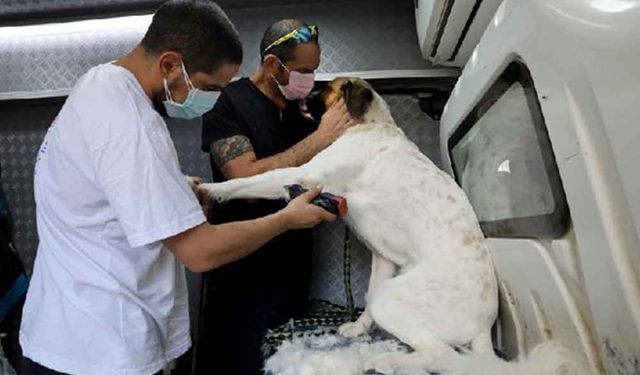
{"x":357,"y":97}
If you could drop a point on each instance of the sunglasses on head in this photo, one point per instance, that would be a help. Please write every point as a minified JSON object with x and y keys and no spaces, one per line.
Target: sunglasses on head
{"x":304,"y":34}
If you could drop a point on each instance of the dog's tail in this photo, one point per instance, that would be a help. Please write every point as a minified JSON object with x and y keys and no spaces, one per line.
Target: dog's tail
{"x":549,"y":358}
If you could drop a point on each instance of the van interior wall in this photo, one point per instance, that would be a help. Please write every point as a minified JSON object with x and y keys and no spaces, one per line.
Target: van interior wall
{"x":354,"y":36}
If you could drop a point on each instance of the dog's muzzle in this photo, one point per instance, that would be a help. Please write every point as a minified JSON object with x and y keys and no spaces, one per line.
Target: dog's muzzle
{"x":315,"y":106}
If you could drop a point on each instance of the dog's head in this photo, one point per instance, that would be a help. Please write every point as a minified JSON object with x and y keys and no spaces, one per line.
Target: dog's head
{"x":362,"y":102}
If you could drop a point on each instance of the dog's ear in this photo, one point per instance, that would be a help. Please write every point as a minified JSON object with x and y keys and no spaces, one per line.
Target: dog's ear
{"x":357,"y":97}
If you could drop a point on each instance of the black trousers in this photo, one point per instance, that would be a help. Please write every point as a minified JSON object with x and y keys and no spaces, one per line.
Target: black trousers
{"x":10,"y":343}
{"x":30,"y":367}
{"x":235,"y":318}
{"x":242,"y":300}
{"x":234,"y":327}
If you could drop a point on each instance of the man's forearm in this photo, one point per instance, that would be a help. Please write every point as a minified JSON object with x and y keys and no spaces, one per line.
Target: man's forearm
{"x":210,"y":246}
{"x":304,"y":150}
{"x":295,"y":156}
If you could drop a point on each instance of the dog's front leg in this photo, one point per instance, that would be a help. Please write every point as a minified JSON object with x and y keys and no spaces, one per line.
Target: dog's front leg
{"x":381,"y":270}
{"x":268,"y":185}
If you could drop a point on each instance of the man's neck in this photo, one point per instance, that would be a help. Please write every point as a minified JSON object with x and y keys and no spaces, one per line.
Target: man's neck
{"x":267,"y":85}
{"x":138,"y":63}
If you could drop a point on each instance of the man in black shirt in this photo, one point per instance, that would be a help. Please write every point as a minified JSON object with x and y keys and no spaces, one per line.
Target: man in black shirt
{"x":257,"y":126}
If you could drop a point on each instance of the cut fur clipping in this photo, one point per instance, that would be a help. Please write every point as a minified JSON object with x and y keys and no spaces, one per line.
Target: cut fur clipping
{"x":330,"y":355}
{"x":335,"y":355}
{"x":548,"y":358}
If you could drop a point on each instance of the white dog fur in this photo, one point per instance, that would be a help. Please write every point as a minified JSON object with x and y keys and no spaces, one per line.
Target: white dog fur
{"x":432,"y":282}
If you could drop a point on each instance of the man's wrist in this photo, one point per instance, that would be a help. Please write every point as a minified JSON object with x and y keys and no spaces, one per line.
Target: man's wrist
{"x":320,"y":139}
{"x":281,"y":220}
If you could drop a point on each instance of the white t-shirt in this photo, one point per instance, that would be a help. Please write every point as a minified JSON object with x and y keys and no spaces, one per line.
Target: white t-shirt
{"x":106,"y":296}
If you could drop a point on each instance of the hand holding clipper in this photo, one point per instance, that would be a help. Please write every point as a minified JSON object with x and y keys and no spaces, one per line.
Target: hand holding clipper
{"x":335,"y":204}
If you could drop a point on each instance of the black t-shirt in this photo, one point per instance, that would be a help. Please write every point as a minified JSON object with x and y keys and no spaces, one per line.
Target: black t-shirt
{"x":243,"y":109}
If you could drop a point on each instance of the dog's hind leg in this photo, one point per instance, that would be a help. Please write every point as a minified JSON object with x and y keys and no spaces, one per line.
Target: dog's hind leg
{"x":381,"y":270}
{"x":482,"y":343}
{"x":269,"y":185}
{"x":402,"y":307}
{"x":434,"y":355}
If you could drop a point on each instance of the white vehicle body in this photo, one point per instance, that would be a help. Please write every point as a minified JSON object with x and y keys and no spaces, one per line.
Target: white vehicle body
{"x":572,"y":73}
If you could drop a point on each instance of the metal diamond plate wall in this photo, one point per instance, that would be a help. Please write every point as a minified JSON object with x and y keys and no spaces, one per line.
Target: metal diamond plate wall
{"x":228,"y":4}
{"x":81,"y":7}
{"x":21,"y":131}
{"x":186,"y":136}
{"x":30,"y":8}
{"x":37,"y":63}
{"x":347,"y":34}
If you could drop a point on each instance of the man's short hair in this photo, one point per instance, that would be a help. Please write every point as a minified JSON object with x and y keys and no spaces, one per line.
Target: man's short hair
{"x":284,"y":51}
{"x":201,"y":32}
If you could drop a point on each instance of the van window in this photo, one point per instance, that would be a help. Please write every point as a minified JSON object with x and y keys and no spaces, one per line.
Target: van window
{"x":502,"y":158}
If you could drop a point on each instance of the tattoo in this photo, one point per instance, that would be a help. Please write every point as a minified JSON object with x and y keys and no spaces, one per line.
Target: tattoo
{"x":230,"y":148}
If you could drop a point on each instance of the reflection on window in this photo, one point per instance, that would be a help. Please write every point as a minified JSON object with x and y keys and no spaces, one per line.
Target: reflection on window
{"x":503,"y":160}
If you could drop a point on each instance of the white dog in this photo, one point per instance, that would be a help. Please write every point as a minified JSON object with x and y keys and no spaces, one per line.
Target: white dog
{"x":432,"y":281}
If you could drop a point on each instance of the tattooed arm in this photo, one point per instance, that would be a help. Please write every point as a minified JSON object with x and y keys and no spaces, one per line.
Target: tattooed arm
{"x":235,"y":157}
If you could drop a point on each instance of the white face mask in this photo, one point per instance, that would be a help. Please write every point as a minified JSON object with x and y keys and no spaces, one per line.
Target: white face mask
{"x":197,"y":103}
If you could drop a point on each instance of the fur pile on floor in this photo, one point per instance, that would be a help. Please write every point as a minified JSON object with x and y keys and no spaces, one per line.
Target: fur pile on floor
{"x":335,"y":355}
{"x":330,"y":355}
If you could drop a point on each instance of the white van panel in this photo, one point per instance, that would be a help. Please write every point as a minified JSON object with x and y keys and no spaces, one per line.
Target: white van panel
{"x":583,"y":58}
{"x":448,"y":30}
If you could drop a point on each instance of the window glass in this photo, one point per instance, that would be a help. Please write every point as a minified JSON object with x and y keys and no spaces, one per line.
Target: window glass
{"x":503,"y":160}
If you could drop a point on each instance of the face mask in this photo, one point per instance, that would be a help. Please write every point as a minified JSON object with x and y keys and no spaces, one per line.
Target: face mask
{"x":300,"y":84}
{"x":197,"y":103}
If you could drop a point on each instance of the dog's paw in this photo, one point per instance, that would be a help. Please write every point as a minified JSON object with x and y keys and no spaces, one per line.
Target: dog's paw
{"x":214,"y":192}
{"x":352,"y":329}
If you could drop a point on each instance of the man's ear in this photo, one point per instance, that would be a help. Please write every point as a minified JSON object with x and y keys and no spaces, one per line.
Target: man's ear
{"x":170,"y":66}
{"x":271,"y":64}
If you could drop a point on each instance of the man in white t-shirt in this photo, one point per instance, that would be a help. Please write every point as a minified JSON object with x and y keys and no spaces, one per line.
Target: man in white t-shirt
{"x":116,"y":217}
